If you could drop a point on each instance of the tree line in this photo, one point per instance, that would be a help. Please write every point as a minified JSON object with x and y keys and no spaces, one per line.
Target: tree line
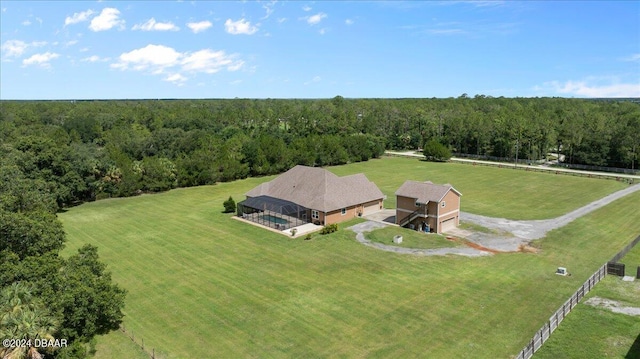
{"x":55,"y":154}
{"x":88,"y":150}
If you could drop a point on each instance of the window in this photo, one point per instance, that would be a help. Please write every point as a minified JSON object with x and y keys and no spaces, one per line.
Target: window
{"x":343,"y":211}
{"x":417,"y":204}
{"x":443,"y":204}
{"x":314,"y":214}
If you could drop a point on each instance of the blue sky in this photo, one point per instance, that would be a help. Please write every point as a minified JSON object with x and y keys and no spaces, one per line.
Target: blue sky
{"x":278,"y":49}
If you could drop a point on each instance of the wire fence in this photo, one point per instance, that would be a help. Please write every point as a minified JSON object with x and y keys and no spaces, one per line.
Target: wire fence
{"x":139,"y":341}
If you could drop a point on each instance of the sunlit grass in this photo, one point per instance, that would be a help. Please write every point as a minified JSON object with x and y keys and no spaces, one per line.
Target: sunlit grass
{"x":203,"y":285}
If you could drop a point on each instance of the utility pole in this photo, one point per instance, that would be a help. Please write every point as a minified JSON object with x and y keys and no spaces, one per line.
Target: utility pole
{"x":517,"y":140}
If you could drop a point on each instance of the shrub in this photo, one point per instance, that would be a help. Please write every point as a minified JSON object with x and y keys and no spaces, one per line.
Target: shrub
{"x":436,"y":151}
{"x":293,"y":232}
{"x":229,"y":205}
{"x":329,"y":229}
{"x":308,"y":237}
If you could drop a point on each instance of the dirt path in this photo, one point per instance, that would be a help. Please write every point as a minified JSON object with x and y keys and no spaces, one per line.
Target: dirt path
{"x":613,"y":306}
{"x":369,"y":226}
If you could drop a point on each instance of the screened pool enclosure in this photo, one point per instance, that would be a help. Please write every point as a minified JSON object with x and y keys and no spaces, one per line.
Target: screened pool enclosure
{"x":273,"y":212}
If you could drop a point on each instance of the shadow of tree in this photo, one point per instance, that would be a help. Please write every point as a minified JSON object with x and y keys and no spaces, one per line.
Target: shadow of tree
{"x":634,"y":351}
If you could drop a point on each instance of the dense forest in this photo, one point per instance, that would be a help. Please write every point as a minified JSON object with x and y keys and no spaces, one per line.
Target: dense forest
{"x":86,"y":150}
{"x":55,"y":154}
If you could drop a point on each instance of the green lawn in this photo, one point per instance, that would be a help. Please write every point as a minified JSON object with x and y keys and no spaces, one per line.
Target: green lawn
{"x":117,"y":345}
{"x":410,"y":238}
{"x":632,"y":260}
{"x":491,"y":191}
{"x":610,"y":335}
{"x":203,"y":285}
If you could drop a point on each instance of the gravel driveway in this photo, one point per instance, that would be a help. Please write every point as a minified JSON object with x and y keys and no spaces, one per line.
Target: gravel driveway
{"x":369,"y":226}
{"x":510,"y":237}
{"x":536,"y":229}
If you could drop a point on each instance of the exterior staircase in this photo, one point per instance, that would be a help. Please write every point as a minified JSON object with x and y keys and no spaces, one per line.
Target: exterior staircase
{"x":410,"y":218}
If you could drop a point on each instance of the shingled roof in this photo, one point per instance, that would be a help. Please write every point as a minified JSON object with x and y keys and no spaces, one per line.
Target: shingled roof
{"x":425,"y":192}
{"x":317,"y":188}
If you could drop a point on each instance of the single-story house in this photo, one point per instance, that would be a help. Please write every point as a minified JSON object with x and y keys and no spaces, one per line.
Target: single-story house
{"x":310,"y":194}
{"x":427,"y":207}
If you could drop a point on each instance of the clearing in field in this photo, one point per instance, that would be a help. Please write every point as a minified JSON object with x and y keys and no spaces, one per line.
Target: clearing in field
{"x":203,"y":285}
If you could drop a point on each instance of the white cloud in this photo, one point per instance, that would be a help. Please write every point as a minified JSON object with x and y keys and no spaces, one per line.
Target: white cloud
{"x":594,"y":87}
{"x":71,"y":43}
{"x":239,"y":27}
{"x":153,"y":25}
{"x":322,"y":31}
{"x":235,"y":82}
{"x":209,"y":61}
{"x":237,"y":66}
{"x":26,"y":23}
{"x":632,"y":58}
{"x":78,"y":17}
{"x":306,"y":8}
{"x":315,"y":79}
{"x":160,"y":59}
{"x":94,"y":58}
{"x":281,"y":20}
{"x":40,"y":59}
{"x":315,"y":19}
{"x":197,"y":27}
{"x":154,"y":57}
{"x":177,"y":79}
{"x":446,"y":31}
{"x":268,"y":7}
{"x":84,"y":49}
{"x":108,"y":19}
{"x":14,"y":48}
{"x":348,"y":22}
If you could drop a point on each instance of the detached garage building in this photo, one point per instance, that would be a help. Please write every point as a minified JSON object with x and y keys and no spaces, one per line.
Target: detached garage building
{"x":310,"y":194}
{"x":425,"y":206}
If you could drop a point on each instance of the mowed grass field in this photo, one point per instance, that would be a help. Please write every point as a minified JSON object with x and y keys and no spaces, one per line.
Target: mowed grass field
{"x":594,"y":332}
{"x":611,"y":335}
{"x":490,"y":191}
{"x":204,"y":285}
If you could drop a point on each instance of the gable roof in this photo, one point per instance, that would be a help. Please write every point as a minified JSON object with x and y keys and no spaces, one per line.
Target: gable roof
{"x":425,"y":192}
{"x":317,"y":188}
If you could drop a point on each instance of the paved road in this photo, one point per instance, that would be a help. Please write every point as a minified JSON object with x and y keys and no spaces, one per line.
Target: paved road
{"x":550,"y":169}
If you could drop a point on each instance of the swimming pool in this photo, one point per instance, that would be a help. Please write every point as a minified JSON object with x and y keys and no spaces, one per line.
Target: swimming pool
{"x":273,"y":219}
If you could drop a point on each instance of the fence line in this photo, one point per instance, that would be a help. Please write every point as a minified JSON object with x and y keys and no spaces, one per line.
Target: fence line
{"x":541,"y":161}
{"x":524,"y":161}
{"x":556,"y":318}
{"x":599,"y":168}
{"x":625,"y":250}
{"x":130,"y":335}
{"x":547,"y":170}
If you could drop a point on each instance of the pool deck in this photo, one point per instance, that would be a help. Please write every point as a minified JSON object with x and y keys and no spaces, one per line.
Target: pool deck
{"x":301,"y":230}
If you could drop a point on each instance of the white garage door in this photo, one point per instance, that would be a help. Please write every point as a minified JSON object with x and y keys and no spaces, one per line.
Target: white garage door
{"x":372,"y":207}
{"x":448,"y":225}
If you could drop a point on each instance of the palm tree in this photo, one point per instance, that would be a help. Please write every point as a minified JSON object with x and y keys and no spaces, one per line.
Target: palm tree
{"x":23,"y":317}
